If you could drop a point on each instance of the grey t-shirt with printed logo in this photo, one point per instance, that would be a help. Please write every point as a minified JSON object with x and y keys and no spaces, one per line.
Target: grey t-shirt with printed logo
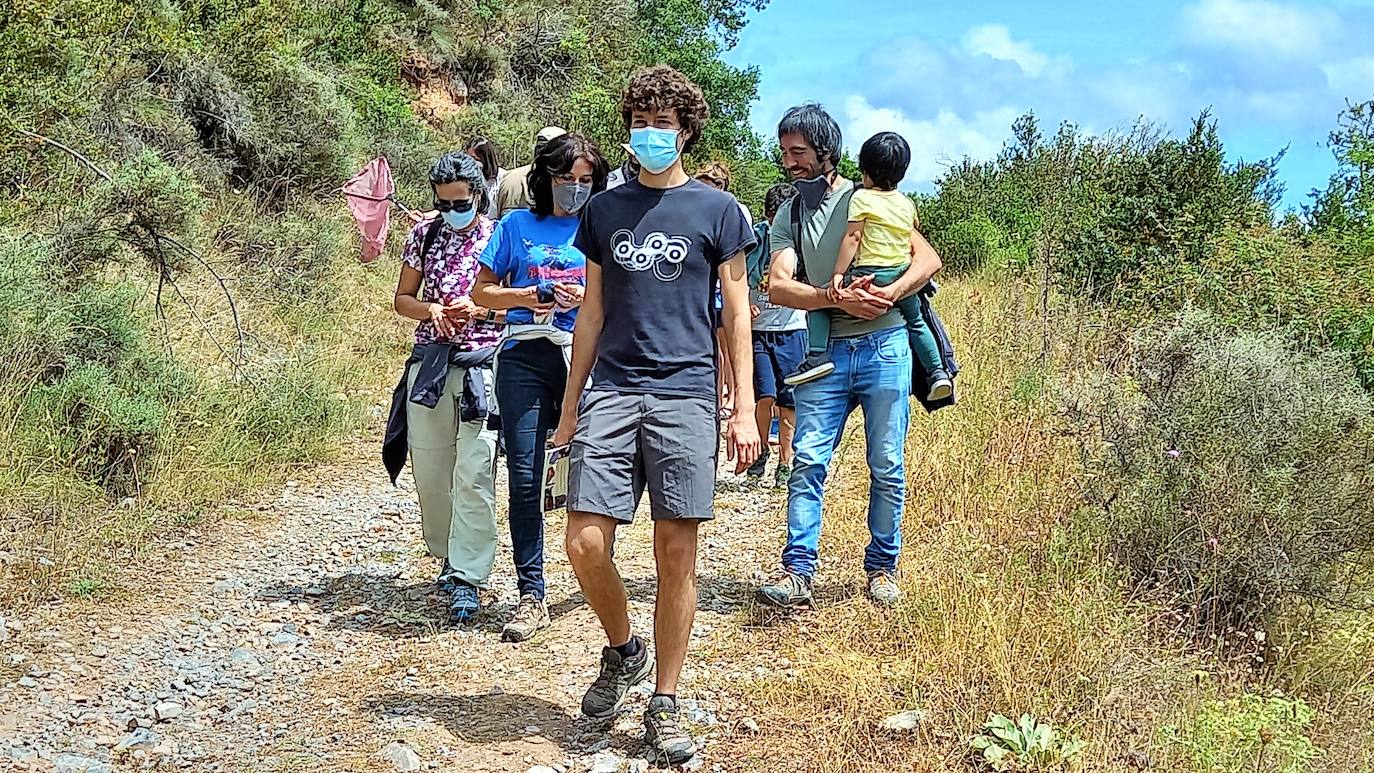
{"x":659,"y":251}
{"x":773,"y":318}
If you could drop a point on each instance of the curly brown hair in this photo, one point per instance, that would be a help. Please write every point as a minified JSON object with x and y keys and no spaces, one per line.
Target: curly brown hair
{"x":716,"y":172}
{"x":661,"y":87}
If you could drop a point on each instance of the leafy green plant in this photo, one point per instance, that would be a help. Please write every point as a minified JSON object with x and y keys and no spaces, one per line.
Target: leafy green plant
{"x":1263,"y":734}
{"x":1024,"y":744}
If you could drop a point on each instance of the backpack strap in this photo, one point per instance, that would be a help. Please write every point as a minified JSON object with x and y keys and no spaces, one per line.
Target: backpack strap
{"x":798,"y":237}
{"x":427,"y":243}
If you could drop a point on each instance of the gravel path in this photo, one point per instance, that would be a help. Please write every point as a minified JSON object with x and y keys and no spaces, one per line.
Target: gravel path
{"x":304,"y":634}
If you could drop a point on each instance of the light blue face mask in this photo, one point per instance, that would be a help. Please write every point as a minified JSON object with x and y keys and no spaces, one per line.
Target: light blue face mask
{"x":655,"y":148}
{"x":460,"y":220}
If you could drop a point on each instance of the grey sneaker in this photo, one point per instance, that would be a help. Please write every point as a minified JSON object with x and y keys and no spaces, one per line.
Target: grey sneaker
{"x":607,"y":694}
{"x":813,"y":367}
{"x":882,"y":588}
{"x":791,"y":592}
{"x":941,"y":386}
{"x":782,"y":475}
{"x":664,"y":734}
{"x":531,"y":617}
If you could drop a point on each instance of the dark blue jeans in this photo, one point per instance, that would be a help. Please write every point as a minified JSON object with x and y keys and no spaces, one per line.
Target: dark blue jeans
{"x":530,"y":378}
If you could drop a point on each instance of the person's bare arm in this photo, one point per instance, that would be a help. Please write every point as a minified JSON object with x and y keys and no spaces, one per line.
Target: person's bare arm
{"x":849,"y":247}
{"x":785,"y":289}
{"x":586,"y":338}
{"x":744,"y":445}
{"x":408,"y":304}
{"x":488,"y":292}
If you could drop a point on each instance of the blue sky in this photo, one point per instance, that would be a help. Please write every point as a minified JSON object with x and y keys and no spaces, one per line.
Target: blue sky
{"x":951,"y":77}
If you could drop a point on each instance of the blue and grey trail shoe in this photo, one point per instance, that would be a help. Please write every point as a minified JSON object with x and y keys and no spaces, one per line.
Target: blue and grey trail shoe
{"x":607,"y":694}
{"x":793,"y":591}
{"x":664,"y":734}
{"x":463,"y":603}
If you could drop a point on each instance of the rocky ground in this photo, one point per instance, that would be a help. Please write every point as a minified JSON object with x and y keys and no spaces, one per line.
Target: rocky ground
{"x":304,"y":633}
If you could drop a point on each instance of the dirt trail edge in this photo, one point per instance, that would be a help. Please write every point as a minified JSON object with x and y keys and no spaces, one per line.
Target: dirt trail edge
{"x":309,"y":637}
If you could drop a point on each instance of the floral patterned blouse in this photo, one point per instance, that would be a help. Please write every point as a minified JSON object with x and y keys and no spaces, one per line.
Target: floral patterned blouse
{"x":450,"y":271}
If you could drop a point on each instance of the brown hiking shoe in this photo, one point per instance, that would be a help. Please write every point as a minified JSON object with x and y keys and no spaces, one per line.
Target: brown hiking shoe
{"x":531,"y":617}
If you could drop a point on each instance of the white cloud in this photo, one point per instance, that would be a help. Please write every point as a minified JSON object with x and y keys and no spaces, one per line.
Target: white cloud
{"x":1258,"y":27}
{"x":995,"y":41}
{"x":935,"y":142}
{"x":1352,"y":79}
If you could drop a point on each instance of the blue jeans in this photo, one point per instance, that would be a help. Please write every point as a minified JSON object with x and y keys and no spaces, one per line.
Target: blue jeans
{"x":530,"y":378}
{"x":872,"y":372}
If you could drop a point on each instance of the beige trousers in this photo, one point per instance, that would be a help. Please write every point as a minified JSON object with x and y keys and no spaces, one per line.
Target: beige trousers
{"x":453,"y":462}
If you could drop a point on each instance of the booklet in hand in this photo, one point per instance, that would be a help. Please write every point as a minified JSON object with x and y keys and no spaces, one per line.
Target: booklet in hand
{"x":556,"y":478}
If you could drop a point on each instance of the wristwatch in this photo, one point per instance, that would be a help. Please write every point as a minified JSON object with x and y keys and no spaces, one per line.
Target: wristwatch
{"x":491,"y":315}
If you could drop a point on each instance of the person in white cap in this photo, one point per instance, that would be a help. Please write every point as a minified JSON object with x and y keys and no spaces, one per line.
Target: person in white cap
{"x":514,"y":192}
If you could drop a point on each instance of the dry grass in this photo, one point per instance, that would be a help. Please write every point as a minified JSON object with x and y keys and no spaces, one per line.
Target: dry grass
{"x":62,"y":535}
{"x":1011,"y":606}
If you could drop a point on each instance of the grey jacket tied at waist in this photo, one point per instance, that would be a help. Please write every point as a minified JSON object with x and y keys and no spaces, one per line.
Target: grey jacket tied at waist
{"x":433,"y":362}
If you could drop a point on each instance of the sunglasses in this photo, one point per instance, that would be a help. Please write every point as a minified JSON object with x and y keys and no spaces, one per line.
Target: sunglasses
{"x":454,"y":205}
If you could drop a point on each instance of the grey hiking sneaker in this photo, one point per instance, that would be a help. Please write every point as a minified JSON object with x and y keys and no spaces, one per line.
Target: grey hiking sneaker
{"x":791,"y":592}
{"x":813,"y":367}
{"x":882,"y":588}
{"x":531,"y":617}
{"x":782,"y":475}
{"x":940,"y":385}
{"x":664,"y":734}
{"x":607,"y":694}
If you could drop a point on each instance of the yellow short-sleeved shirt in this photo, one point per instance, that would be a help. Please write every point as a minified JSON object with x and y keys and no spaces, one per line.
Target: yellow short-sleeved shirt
{"x":888,"y":218}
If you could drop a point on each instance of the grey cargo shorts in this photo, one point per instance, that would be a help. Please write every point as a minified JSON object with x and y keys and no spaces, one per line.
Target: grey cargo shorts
{"x":628,"y":442}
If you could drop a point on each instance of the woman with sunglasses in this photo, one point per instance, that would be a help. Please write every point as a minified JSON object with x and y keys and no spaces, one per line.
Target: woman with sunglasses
{"x":531,"y":268}
{"x":439,"y":410}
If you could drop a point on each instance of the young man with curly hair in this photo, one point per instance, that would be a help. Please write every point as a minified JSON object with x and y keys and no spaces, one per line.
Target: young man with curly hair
{"x":655,"y":248}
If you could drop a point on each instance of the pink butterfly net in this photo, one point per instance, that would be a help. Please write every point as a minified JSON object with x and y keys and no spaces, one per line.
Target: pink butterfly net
{"x":370,"y":195}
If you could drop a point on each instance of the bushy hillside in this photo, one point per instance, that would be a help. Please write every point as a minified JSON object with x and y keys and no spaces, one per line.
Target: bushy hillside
{"x":177,"y":272}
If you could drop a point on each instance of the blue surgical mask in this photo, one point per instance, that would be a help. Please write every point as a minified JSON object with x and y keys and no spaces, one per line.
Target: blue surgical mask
{"x":460,"y":220}
{"x":655,"y":148}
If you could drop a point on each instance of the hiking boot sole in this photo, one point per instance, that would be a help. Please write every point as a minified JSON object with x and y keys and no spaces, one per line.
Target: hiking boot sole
{"x":620,"y":704}
{"x":515,"y":637}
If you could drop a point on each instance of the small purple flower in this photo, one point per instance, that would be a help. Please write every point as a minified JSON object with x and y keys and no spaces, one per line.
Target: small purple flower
{"x":1213,"y":544}
{"x":1173,"y":453}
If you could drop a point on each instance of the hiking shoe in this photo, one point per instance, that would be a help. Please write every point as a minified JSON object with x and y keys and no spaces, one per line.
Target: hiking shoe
{"x":882,"y":588}
{"x":791,"y":592}
{"x":756,"y":470}
{"x":782,"y":475}
{"x":446,"y":576}
{"x":463,"y":602}
{"x":607,"y":694}
{"x":664,"y":734}
{"x":941,"y":387}
{"x":531,"y":617}
{"x":813,"y":367}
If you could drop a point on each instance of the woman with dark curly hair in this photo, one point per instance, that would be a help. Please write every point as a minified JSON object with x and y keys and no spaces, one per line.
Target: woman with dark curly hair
{"x":531,"y":268}
{"x":439,"y":408}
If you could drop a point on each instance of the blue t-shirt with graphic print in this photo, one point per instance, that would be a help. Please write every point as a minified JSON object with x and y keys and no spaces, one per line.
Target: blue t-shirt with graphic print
{"x":525,"y":251}
{"x":659,"y":252}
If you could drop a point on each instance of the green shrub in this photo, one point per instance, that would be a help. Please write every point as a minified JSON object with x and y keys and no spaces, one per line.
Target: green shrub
{"x":1253,"y":733}
{"x":1233,"y":472}
{"x":969,"y":244}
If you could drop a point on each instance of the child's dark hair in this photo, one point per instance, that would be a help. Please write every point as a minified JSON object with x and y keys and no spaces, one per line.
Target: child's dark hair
{"x":884,"y":158}
{"x":777,"y":196}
